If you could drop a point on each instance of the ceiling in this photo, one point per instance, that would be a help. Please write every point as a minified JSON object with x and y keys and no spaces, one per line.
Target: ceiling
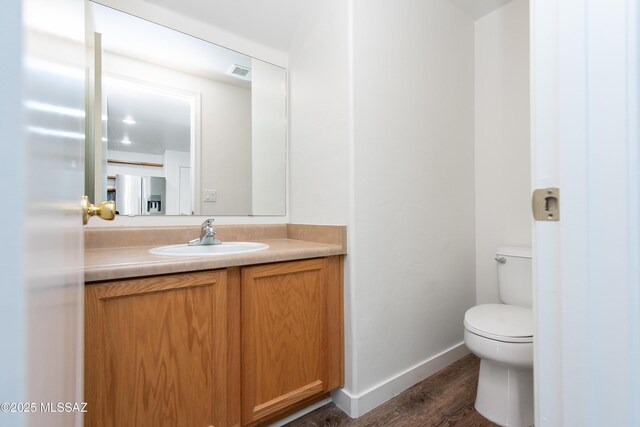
{"x":479,"y":8}
{"x":245,"y":18}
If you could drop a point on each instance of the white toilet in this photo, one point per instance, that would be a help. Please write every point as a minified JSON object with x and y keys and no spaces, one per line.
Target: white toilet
{"x":501,"y":335}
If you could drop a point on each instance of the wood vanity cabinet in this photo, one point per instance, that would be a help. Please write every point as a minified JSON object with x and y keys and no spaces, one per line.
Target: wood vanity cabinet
{"x":292,"y":337}
{"x":230,"y":347}
{"x":155,"y":351}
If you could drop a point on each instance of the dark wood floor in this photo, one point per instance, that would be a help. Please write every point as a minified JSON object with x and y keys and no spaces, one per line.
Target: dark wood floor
{"x":444,"y":399}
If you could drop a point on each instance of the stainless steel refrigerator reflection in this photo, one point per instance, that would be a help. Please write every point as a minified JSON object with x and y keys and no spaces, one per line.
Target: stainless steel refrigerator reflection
{"x":140,"y":195}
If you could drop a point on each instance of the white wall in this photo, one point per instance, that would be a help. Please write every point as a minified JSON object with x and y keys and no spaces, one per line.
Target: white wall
{"x":413,"y":165}
{"x":225,"y":130}
{"x":502,"y":155}
{"x":319,"y":151}
{"x":382,"y":140}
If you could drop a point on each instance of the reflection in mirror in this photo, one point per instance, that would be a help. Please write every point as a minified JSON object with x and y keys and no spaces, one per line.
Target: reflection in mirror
{"x":148,"y":137}
{"x":188,"y":127}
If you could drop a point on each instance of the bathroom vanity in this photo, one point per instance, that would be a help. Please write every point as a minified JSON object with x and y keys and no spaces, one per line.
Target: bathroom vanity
{"x":218,"y":341}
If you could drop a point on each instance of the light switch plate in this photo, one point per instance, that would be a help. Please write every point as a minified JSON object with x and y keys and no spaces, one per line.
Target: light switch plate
{"x":210,"y":195}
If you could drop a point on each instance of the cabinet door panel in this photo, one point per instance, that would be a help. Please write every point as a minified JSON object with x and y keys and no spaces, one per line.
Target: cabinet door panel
{"x":284,"y":335}
{"x":156,"y":351}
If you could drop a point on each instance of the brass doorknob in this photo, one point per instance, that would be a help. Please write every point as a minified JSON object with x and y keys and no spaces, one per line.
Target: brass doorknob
{"x":105,"y":210}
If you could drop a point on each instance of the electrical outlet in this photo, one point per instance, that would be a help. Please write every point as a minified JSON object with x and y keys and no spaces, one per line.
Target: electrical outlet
{"x":210,"y":195}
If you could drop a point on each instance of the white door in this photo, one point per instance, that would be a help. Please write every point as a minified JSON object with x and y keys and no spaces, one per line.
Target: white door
{"x":42,"y":173}
{"x":12,"y":364}
{"x":585,"y":141}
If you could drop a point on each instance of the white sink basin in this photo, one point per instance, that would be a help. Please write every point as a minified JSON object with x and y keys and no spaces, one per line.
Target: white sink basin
{"x":225,"y":248}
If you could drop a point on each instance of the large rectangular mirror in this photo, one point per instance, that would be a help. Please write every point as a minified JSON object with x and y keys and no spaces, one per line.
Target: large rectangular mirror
{"x":187,"y":127}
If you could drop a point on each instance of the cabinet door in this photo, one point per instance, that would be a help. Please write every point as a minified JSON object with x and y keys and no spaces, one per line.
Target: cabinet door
{"x":155,"y":351}
{"x":291,"y":334}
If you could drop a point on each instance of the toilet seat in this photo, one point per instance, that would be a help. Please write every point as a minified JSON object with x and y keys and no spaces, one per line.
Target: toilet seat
{"x":501,"y":322}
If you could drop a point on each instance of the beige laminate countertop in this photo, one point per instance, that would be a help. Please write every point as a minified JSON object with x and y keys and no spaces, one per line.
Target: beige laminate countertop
{"x":113,"y":263}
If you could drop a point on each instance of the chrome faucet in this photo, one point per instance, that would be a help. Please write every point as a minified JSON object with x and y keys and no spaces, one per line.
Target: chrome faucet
{"x":207,"y":235}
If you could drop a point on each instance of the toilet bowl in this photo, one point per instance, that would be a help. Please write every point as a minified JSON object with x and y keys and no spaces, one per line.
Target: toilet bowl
{"x":505,"y":381}
{"x":501,"y":335}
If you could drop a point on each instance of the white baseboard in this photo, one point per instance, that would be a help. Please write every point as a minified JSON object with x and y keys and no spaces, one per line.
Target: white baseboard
{"x":358,"y":405}
{"x":301,"y":412}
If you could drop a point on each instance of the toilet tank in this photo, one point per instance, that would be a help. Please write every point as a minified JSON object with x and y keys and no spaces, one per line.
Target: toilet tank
{"x":515,"y":276}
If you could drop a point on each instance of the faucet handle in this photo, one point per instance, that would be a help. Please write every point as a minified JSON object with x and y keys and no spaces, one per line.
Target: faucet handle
{"x":208,"y":223}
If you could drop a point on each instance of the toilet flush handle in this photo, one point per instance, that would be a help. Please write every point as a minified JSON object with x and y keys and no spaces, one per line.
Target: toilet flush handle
{"x":501,"y":260}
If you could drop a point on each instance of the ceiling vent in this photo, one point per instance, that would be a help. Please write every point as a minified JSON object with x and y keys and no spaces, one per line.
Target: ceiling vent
{"x":240,"y":72}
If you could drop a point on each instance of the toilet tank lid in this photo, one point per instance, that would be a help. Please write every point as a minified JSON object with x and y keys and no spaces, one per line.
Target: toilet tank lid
{"x":516,"y":251}
{"x":500,"y":320}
